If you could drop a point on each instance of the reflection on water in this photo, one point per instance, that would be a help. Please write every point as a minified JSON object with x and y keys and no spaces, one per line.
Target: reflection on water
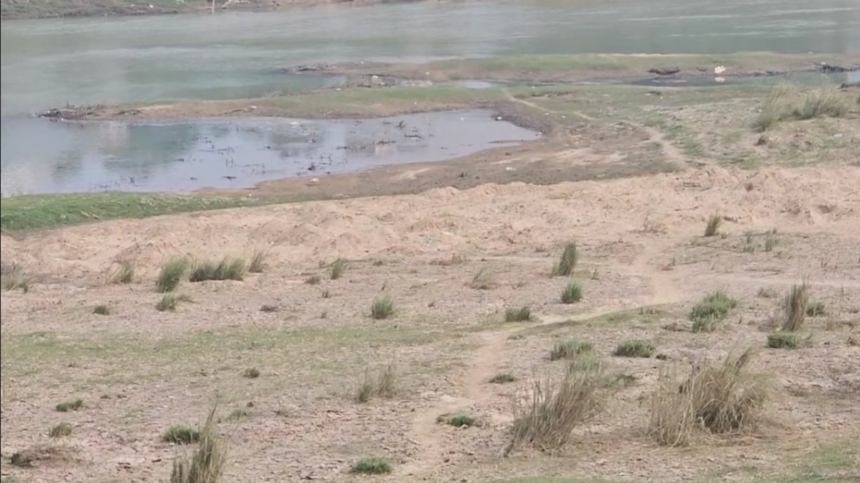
{"x":39,"y":156}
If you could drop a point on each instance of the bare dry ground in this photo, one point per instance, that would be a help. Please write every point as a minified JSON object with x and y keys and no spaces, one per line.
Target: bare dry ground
{"x":453,"y":252}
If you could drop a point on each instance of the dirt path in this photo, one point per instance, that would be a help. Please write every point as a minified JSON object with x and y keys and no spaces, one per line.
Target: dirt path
{"x":512,"y":98}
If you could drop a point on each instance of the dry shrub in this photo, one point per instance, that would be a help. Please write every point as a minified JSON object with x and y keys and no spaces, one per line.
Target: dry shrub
{"x":14,"y":277}
{"x":123,"y":273}
{"x":722,"y":398}
{"x":795,"y":307}
{"x":569,"y":258}
{"x":714,"y":223}
{"x":483,"y":280}
{"x":258,"y":261}
{"x":383,"y":385}
{"x":206,"y":464}
{"x":785,"y":102}
{"x":553,"y":407}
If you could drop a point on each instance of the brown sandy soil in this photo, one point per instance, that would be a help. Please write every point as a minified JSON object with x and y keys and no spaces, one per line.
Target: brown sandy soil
{"x":644,"y":263}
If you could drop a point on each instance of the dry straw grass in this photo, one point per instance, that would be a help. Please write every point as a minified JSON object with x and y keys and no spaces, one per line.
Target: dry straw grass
{"x":785,"y":102}
{"x":206,"y":463}
{"x":383,"y":385}
{"x":794,"y":308}
{"x":567,"y":262}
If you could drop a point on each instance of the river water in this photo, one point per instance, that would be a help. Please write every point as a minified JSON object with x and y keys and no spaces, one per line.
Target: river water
{"x":46,"y":63}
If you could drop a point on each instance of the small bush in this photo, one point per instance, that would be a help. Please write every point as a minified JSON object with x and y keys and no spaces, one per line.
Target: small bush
{"x":634,"y":348}
{"x":821,"y":102}
{"x":714,"y":224}
{"x":67,"y":406}
{"x":101,"y":310}
{"x":337,"y":268}
{"x":226,"y":269}
{"x":180,"y":434}
{"x":483,"y":280}
{"x":571,"y":294}
{"x":816,"y":309}
{"x":123,"y":273}
{"x":383,"y":385}
{"x":794,"y":308}
{"x":786,"y":102}
{"x":382,"y":308}
{"x":521,"y":314}
{"x":371,"y":466}
{"x":786,"y":340}
{"x":774,"y":108}
{"x":502,"y":378}
{"x":258,"y":261}
{"x":171,"y":274}
{"x":569,"y":349}
{"x":251,"y":373}
{"x":567,"y":263}
{"x":458,"y":421}
{"x":313,"y":280}
{"x":60,"y":430}
{"x":12,"y":277}
{"x":206,"y":464}
{"x":711,"y":310}
{"x":169,"y":301}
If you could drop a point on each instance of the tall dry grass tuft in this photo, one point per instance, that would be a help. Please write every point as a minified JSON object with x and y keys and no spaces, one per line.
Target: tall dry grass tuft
{"x":672,"y":419}
{"x":714,"y":223}
{"x":774,"y":108}
{"x":553,"y":406}
{"x":785,"y":102}
{"x":795,"y":308}
{"x":12,"y":277}
{"x":123,"y":273}
{"x":258,"y":261}
{"x":206,"y":464}
{"x":227,"y":269}
{"x":383,"y":385}
{"x":567,"y":262}
{"x":171,"y":274}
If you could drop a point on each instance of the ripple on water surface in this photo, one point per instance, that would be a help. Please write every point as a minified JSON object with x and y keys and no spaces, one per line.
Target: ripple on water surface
{"x":39,"y":156}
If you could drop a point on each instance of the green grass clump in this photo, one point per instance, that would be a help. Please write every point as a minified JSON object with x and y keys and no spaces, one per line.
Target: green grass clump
{"x":206,"y":464}
{"x":786,"y":102}
{"x":520,"y":314}
{"x":258,"y":261}
{"x":571,"y":294}
{"x":227,"y":269}
{"x":502,"y":378}
{"x":458,"y":421}
{"x":171,"y":274}
{"x":12,"y":277}
{"x":371,"y":466}
{"x":567,"y":263}
{"x":337,"y":269}
{"x":68,"y":406}
{"x":383,"y":384}
{"x":634,"y":348}
{"x":382,"y":308}
{"x":169,"y":301}
{"x":569,"y":349}
{"x":60,"y":430}
{"x":785,"y":340}
{"x":101,"y":310}
{"x":714,"y":223}
{"x":180,"y":434}
{"x":712,"y":309}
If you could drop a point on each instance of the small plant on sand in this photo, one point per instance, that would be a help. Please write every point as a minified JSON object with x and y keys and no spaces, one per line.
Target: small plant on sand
{"x":337,"y":269}
{"x":786,"y":102}
{"x":569,"y":349}
{"x":180,"y":434}
{"x":370,"y":466}
{"x":552,"y":407}
{"x":101,"y":309}
{"x":313,"y":280}
{"x":12,"y":277}
{"x":123,"y":273}
{"x":237,"y":414}
{"x":571,"y":294}
{"x":794,"y":308}
{"x":502,"y":378}
{"x":634,"y":348}
{"x":171,"y":274}
{"x":721,"y":398}
{"x":382,"y":308}
{"x":483,"y":280}
{"x":60,"y":430}
{"x":169,"y":301}
{"x":458,"y":420}
{"x":68,"y":406}
{"x":816,"y":309}
{"x":787,"y":340}
{"x":520,"y":314}
{"x":227,"y":269}
{"x":251,"y":373}
{"x":774,"y":108}
{"x":711,"y":310}
{"x":567,"y":263}
{"x":258,"y":261}
{"x":770,"y":241}
{"x":821,"y":102}
{"x":206,"y":463}
{"x":714,"y":224}
{"x":382,"y":385}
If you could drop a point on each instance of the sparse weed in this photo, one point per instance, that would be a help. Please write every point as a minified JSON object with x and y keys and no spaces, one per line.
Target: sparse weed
{"x":634,"y":348}
{"x":169,"y":301}
{"x":713,"y":308}
{"x":258,"y":261}
{"x":123,"y":273}
{"x":816,"y":309}
{"x":371,"y":466}
{"x":67,"y":406}
{"x":521,"y":314}
{"x":383,"y":385}
{"x":180,"y":434}
{"x":483,"y":280}
{"x":567,"y":263}
{"x":337,"y":268}
{"x":251,"y":373}
{"x":749,"y":245}
{"x":785,"y":102}
{"x":382,"y":308}
{"x":770,"y":241}
{"x":821,"y":102}
{"x":12,"y":277}
{"x":227,"y":269}
{"x":569,"y":349}
{"x":237,"y":414}
{"x":774,"y":108}
{"x":60,"y":430}
{"x":313,"y":280}
{"x":571,"y":293}
{"x":206,"y":464}
{"x":714,"y":224}
{"x":101,"y":309}
{"x":458,"y":421}
{"x":171,"y":274}
{"x":502,"y":378}
{"x":794,"y":308}
{"x":787,"y":340}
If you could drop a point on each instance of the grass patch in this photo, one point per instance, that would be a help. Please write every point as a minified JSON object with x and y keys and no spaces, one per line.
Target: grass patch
{"x":237,"y":414}
{"x":12,"y":277}
{"x":634,"y":348}
{"x":567,"y":263}
{"x":770,"y":241}
{"x":169,"y":301}
{"x":251,"y":373}
{"x":180,"y":434}
{"x":794,"y":308}
{"x":313,"y":280}
{"x":714,"y":223}
{"x":206,"y":463}
{"x":69,"y":406}
{"x":521,"y":314}
{"x":569,"y":349}
{"x":337,"y":269}
{"x":258,"y":261}
{"x":571,"y":293}
{"x":382,"y":308}
{"x":171,"y":274}
{"x":721,"y":398}
{"x":382,"y":385}
{"x":483,"y":280}
{"x":227,"y":269}
{"x":787,"y":340}
{"x":545,"y":418}
{"x":502,"y":378}
{"x":458,"y":421}
{"x":711,"y":310}
{"x":101,"y":310}
{"x":61,"y":430}
{"x":816,"y":309}
{"x":785,"y":102}
{"x":122,"y":274}
{"x":370,"y":466}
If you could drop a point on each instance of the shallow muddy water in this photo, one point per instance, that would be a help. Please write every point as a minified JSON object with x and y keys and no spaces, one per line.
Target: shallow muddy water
{"x":97,"y":156}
